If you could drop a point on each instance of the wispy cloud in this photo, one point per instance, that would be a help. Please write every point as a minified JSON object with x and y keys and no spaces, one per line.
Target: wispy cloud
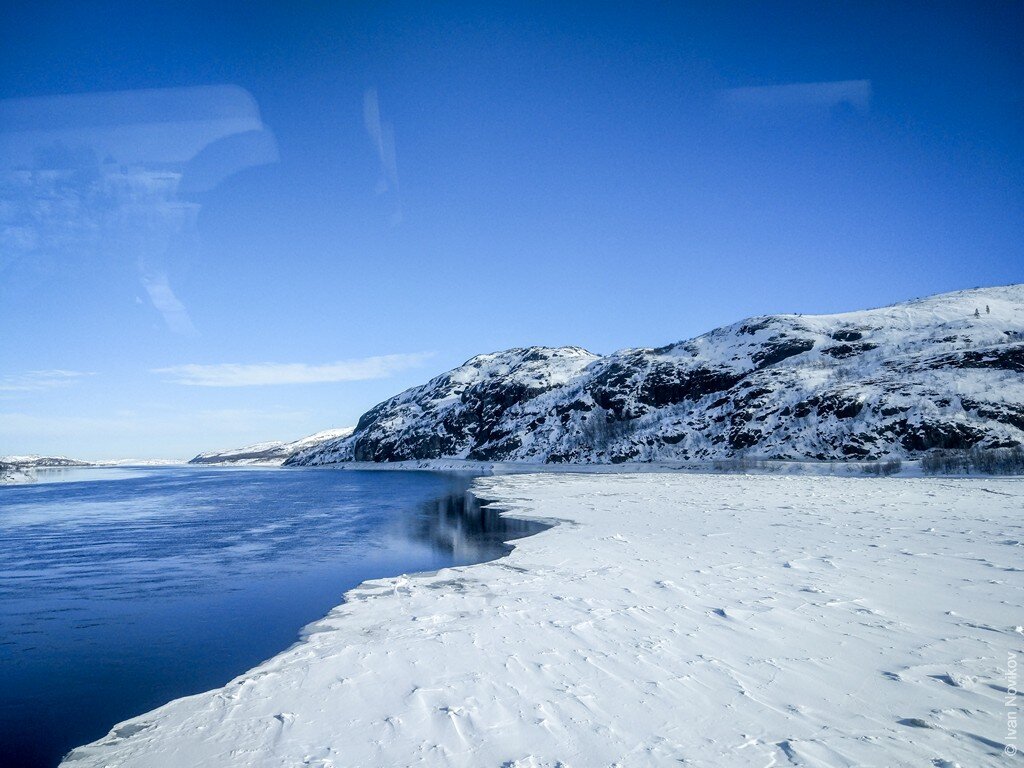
{"x":156,"y":432}
{"x":168,"y":304}
{"x":383,"y":137}
{"x":823,"y":95}
{"x":33,"y":381}
{"x":261,"y":374}
{"x":154,"y":423}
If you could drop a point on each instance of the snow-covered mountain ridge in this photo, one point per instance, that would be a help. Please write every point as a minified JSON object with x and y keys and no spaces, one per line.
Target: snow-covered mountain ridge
{"x":274,"y":452}
{"x":945,"y":371}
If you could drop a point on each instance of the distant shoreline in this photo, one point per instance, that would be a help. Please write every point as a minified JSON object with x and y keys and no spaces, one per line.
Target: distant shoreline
{"x":852,"y":469}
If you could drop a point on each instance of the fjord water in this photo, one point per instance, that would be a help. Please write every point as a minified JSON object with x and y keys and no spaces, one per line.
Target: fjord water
{"x":125,"y":589}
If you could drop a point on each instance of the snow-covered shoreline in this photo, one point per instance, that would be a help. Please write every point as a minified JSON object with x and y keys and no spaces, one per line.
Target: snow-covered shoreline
{"x":715,"y":620}
{"x":742,"y":465}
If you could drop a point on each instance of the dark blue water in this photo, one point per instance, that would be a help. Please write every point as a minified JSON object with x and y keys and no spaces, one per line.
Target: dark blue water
{"x":124,"y":590}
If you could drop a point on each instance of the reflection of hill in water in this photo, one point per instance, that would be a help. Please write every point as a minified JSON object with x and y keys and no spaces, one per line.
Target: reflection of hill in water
{"x":458,"y":524}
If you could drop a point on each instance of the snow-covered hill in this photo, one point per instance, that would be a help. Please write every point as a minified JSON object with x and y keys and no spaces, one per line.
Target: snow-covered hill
{"x":21,"y":469}
{"x":270,"y":453}
{"x":34,"y":462}
{"x":941,"y":372}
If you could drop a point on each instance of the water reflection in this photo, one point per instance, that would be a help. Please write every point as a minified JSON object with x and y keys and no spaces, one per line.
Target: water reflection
{"x":458,"y":524}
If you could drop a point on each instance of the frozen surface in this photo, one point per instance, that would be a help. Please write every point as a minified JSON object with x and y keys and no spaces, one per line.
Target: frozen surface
{"x":669,"y":619}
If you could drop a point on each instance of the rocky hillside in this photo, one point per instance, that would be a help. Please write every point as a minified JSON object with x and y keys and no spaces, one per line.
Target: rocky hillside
{"x":269,"y":453}
{"x":942,"y":372}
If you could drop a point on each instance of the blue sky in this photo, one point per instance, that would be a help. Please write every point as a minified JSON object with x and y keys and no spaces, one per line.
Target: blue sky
{"x":256,"y":221}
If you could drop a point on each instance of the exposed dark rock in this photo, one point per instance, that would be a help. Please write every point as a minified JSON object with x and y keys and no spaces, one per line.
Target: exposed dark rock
{"x":780,"y":348}
{"x":1004,"y":413}
{"x":842,"y":351}
{"x":667,"y":385}
{"x":751,"y":328}
{"x":839,"y":406}
{"x":1009,"y":357}
{"x":928,"y":435}
{"x":847,"y":335}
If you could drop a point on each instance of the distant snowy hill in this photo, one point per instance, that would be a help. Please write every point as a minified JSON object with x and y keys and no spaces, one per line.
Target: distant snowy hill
{"x":34,"y":462}
{"x":945,"y":371}
{"x":20,"y":469}
{"x":271,"y":452}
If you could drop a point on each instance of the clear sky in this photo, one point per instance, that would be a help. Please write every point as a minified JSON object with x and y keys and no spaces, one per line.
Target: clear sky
{"x":222,"y":223}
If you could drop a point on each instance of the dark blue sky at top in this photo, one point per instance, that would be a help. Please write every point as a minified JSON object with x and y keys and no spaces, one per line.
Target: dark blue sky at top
{"x":563,"y":174}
